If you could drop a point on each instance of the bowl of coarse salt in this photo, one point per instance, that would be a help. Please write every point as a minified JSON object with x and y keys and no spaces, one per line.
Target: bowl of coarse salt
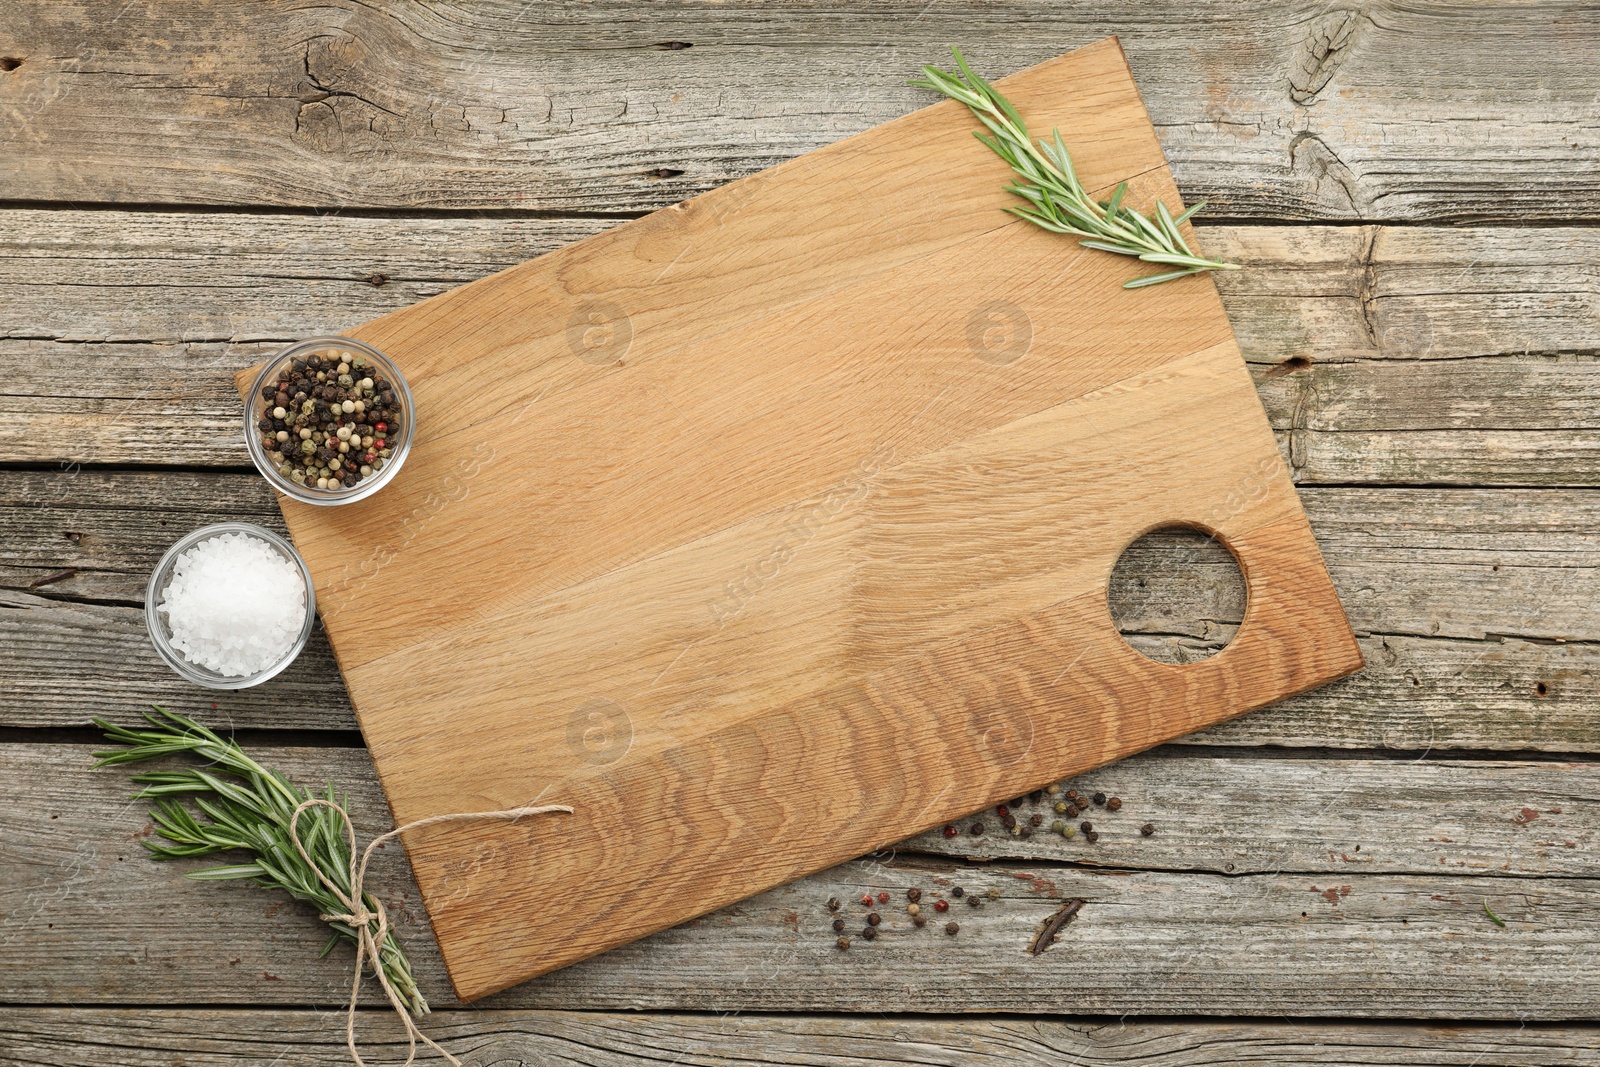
{"x":229,"y":606}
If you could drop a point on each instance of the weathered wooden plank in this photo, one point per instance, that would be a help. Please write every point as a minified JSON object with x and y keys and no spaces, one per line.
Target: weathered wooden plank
{"x":1298,"y":110}
{"x":122,"y":330}
{"x":1334,"y":939}
{"x":87,"y":1037}
{"x":84,"y":660}
{"x":1474,"y":608}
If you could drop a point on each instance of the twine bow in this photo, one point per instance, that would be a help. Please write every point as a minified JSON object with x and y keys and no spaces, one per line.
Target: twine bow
{"x":360,"y":918}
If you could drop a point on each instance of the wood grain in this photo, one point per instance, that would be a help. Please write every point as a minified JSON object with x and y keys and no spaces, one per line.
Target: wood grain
{"x":83,"y":1037}
{"x":1204,"y":941}
{"x":843,"y":574}
{"x":1267,"y":109}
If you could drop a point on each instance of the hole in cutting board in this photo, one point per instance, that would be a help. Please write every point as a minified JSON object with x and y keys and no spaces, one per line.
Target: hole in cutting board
{"x":1177,"y":595}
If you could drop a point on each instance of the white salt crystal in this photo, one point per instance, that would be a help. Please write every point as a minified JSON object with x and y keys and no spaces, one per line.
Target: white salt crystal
{"x":235,"y":606}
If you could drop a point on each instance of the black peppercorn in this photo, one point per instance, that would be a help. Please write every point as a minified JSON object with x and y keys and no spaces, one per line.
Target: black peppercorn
{"x":1035,"y":796}
{"x":913,"y":895}
{"x":1100,"y":800}
{"x":1086,"y":826}
{"x":838,"y":926}
{"x":952,"y":928}
{"x":958,"y":892}
{"x":870,"y":933}
{"x":975,"y":901}
{"x":873,"y":918}
{"x":1091,"y":836}
{"x":976,"y":830}
{"x":843,"y":942}
{"x":1024,"y":831}
{"x":1008,"y":821}
{"x":1072,"y":811}
{"x":919,"y":921}
{"x":833,"y":903}
{"x":1114,"y":803}
{"x":1035,"y":820}
{"x":1147,"y":829}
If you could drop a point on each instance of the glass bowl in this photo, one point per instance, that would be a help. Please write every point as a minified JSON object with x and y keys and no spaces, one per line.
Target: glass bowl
{"x":161,"y":633}
{"x":399,"y":444}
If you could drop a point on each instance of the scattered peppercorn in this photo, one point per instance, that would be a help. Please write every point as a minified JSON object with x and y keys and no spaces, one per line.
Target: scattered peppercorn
{"x":913,"y":894}
{"x":976,"y":902}
{"x":833,"y":903}
{"x":843,"y":943}
{"x":1035,"y":819}
{"x":950,"y":831}
{"x":870,"y":933}
{"x":958,"y":892}
{"x":952,"y":928}
{"x":1114,"y":803}
{"x":838,"y":926}
{"x":866,"y":898}
{"x":1073,"y":811}
{"x":1024,"y":831}
{"x":1001,"y":810}
{"x":1099,"y":800}
{"x":941,"y":905}
{"x":918,"y":921}
{"x":992,"y":893}
{"x":1147,"y":829}
{"x":1008,"y":821}
{"x":873,"y":918}
{"x":1086,"y":826}
{"x":1033,"y":797}
{"x":883,"y":897}
{"x":1052,"y":789}
{"x":976,"y":830}
{"x":1058,"y":827}
{"x":1060,"y":807}
{"x":913,"y":909}
{"x":1091,"y":836}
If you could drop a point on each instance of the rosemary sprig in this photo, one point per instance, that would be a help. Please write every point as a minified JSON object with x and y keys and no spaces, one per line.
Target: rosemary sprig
{"x":1056,"y":200}
{"x":244,"y":806}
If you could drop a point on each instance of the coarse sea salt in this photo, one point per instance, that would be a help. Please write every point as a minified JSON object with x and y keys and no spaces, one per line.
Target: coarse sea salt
{"x":234,"y":604}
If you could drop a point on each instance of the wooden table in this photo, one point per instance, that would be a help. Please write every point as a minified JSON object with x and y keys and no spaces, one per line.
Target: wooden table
{"x":1412,"y":187}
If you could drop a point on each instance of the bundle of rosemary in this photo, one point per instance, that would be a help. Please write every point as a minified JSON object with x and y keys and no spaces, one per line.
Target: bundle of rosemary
{"x":1056,"y":200}
{"x":245,"y":807}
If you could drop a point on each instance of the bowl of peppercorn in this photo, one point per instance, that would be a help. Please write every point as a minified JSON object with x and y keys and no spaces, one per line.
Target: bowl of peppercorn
{"x":329,"y":420}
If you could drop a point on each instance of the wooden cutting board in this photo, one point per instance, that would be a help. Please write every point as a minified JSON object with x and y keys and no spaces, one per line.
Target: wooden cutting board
{"x":776,"y":526}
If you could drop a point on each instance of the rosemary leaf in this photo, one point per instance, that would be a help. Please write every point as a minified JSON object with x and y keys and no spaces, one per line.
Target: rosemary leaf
{"x":1157,"y":279}
{"x":1058,"y":202}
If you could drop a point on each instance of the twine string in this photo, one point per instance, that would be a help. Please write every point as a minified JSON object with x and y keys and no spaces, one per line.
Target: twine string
{"x":363,"y":911}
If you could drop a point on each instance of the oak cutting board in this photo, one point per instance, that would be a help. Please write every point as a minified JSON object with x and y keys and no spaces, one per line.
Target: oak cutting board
{"x":776,"y":526}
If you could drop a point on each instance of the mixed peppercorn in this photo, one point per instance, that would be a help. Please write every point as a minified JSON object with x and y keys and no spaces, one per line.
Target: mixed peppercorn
{"x":913,"y":909}
{"x":329,"y":420}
